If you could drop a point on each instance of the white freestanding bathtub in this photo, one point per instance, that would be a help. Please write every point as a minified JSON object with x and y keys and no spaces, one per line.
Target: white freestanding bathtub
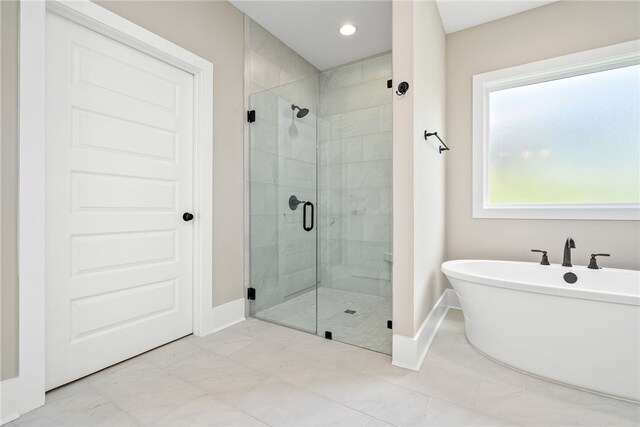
{"x":525,"y":315}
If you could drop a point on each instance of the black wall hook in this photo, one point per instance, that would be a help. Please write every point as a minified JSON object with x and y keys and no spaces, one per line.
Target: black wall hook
{"x":441,"y":148}
{"x":402,"y":88}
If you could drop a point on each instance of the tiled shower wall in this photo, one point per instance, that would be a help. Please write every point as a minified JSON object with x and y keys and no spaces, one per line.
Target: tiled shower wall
{"x":283,"y":163}
{"x":355,"y":174}
{"x":280,"y":256}
{"x":269,"y":62}
{"x":350,"y":119}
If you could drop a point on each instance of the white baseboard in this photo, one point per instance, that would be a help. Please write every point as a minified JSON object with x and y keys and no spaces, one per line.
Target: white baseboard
{"x":223,"y":316}
{"x":409,"y":353}
{"x":9,"y":400}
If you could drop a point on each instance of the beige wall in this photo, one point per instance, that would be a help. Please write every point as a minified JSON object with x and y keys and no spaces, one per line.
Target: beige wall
{"x":553,"y":30}
{"x":429,"y":164}
{"x":213,"y":30}
{"x":9,"y":189}
{"x":418,"y":169}
{"x":402,"y":47}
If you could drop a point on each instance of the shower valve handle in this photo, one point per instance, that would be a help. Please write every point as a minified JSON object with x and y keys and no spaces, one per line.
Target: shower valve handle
{"x":294,"y":202}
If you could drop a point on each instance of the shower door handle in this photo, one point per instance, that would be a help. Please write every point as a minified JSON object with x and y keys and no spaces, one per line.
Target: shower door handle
{"x":304,"y":216}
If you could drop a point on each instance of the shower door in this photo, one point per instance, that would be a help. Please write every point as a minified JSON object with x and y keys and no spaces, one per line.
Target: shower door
{"x":324,"y":265}
{"x":355,"y":204}
{"x":283,"y":224}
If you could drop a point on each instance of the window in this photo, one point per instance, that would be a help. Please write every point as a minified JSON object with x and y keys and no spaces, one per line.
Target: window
{"x":559,"y":138}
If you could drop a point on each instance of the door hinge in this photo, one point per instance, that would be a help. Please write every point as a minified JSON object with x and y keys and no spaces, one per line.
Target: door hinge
{"x":251,"y":116}
{"x":389,"y":324}
{"x":251,"y":294}
{"x":389,"y":84}
{"x":328,"y":335}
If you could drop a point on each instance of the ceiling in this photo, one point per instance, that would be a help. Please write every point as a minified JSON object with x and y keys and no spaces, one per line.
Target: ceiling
{"x":310,"y":27}
{"x":457,"y":15}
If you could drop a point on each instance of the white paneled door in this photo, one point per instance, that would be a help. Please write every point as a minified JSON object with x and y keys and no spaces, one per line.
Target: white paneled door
{"x":119,"y":163}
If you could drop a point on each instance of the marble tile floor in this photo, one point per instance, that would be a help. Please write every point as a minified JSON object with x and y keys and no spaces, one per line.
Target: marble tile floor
{"x":366,"y":327}
{"x":257,"y":373}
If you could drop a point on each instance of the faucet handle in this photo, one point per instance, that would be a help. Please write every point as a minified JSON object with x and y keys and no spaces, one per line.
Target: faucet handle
{"x":593,"y":264}
{"x":545,"y":260}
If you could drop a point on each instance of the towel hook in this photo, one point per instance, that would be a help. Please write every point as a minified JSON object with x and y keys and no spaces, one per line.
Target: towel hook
{"x":402,"y":88}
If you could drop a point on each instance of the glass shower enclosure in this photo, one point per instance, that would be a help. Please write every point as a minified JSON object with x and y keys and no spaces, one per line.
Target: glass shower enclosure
{"x":320,"y":204}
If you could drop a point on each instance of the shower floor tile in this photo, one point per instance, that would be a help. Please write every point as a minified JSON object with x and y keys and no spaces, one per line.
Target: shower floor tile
{"x":351,"y":317}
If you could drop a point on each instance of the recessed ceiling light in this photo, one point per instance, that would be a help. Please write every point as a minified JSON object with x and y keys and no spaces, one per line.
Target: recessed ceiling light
{"x":347,"y":30}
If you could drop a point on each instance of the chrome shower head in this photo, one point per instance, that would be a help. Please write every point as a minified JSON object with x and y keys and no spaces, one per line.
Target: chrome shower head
{"x":301,"y":111}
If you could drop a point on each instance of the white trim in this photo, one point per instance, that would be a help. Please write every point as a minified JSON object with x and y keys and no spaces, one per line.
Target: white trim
{"x":223,"y":316}
{"x":31,"y":217}
{"x":9,"y":400}
{"x":594,"y":60}
{"x":32,"y":167}
{"x":409,"y":353}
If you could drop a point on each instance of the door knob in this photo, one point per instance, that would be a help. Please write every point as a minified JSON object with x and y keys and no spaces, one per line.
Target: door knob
{"x":187,"y":216}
